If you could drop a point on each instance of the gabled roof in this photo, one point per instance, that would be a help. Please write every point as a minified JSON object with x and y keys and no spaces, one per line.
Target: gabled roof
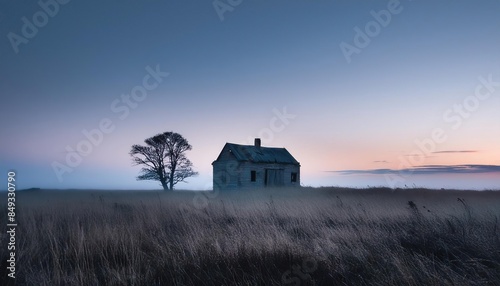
{"x":251,"y":153}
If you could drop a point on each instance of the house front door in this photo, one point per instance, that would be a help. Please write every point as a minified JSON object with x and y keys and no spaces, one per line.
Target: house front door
{"x":274,"y":177}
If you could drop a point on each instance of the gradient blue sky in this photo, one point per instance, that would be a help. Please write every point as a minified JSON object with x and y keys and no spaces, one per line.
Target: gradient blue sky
{"x":355,"y":124}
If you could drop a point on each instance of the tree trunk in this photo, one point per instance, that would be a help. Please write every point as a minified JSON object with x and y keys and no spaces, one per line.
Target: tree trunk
{"x":171,"y":178}
{"x":164,"y":184}
{"x":171,"y":182}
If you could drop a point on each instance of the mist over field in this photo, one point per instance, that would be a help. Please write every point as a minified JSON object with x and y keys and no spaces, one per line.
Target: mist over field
{"x":304,"y":236}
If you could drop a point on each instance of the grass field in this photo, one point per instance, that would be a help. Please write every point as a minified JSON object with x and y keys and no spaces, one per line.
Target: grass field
{"x":307,"y":236}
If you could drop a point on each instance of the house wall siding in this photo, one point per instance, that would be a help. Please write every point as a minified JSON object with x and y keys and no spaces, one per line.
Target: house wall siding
{"x":228,"y":174}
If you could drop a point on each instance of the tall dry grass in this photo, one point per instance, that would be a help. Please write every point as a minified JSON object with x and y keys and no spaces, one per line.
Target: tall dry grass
{"x":325,"y":236}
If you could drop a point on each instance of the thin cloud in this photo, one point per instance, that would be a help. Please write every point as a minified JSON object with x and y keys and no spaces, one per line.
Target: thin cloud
{"x":418,"y":155}
{"x":428,"y":169}
{"x":454,"y":151}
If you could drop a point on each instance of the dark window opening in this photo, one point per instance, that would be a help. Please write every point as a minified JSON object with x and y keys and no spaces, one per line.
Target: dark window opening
{"x":253,"y":176}
{"x":294,"y":177}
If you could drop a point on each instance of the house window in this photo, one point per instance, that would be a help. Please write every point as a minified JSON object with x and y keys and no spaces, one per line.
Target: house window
{"x":253,"y":176}
{"x":294,"y":177}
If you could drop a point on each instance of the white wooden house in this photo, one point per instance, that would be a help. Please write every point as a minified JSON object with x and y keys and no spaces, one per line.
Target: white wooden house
{"x":254,"y":166}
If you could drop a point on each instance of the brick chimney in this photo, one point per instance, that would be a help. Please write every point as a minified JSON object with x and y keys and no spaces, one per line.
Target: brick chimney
{"x":257,"y":142}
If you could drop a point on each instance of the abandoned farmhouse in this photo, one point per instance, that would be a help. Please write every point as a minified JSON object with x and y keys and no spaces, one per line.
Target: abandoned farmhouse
{"x":254,"y":166}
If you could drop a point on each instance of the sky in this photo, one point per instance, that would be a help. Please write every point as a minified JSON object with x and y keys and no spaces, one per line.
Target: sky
{"x":362,"y":93}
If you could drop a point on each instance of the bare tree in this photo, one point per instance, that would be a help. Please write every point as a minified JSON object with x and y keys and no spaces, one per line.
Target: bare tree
{"x":163,"y":159}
